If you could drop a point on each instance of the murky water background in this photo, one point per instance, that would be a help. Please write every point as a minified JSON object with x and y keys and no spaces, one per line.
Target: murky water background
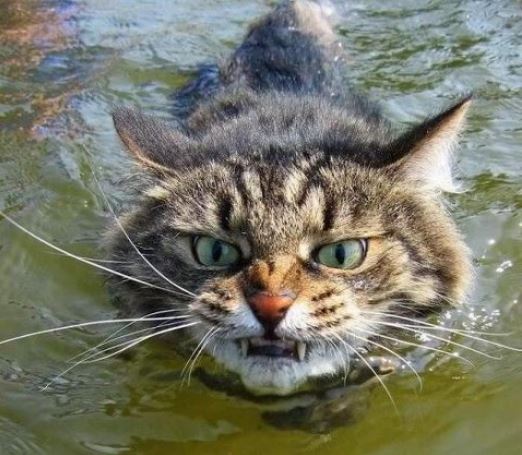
{"x":65,"y":64}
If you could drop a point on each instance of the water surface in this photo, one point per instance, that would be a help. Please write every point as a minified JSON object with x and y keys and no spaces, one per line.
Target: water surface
{"x":65,"y":64}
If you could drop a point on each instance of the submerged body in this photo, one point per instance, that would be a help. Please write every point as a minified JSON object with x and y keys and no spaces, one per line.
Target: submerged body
{"x":293,"y":225}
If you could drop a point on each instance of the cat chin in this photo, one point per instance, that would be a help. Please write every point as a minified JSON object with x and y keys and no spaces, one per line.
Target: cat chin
{"x":275,"y":376}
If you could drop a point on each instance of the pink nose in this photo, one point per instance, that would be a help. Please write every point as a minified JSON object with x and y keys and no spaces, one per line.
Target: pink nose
{"x":270,"y":308}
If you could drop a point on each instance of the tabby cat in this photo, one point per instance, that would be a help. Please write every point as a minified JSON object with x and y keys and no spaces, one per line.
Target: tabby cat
{"x":284,"y":216}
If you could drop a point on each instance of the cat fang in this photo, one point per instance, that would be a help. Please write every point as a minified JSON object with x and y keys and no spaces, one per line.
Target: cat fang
{"x":294,"y":227}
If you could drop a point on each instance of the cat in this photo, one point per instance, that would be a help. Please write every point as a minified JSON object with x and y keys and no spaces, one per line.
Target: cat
{"x":283,"y":217}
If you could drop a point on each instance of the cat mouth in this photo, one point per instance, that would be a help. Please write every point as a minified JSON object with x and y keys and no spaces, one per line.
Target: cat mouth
{"x":258,"y":346}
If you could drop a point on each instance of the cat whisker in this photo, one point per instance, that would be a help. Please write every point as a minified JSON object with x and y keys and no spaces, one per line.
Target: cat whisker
{"x":80,"y":259}
{"x":361,"y":357}
{"x":103,"y":346}
{"x":86,"y":324}
{"x":130,"y":344}
{"x":121,"y":347}
{"x":98,"y":260}
{"x":344,"y":359}
{"x":200,"y":351}
{"x":428,"y":325}
{"x":452,"y":303}
{"x":416,"y":345}
{"x":145,"y":318}
{"x":459,"y":331}
{"x":391,"y":351}
{"x":216,"y":344}
{"x":196,"y":352}
{"x":465,"y":333}
{"x":131,"y":242}
{"x":93,"y":352}
{"x":436,"y":337}
{"x":193,"y":353}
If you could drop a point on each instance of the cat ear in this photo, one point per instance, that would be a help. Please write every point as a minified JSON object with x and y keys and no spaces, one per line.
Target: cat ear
{"x":425,"y":151}
{"x":152,"y":142}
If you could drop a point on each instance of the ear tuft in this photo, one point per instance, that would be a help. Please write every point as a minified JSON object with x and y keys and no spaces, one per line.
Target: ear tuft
{"x":425,"y":152}
{"x":152,"y":142}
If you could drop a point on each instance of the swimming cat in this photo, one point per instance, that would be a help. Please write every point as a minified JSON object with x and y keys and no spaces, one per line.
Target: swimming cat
{"x":283,"y":217}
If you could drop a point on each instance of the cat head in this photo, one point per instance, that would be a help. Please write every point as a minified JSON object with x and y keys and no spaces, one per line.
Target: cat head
{"x":297,"y":227}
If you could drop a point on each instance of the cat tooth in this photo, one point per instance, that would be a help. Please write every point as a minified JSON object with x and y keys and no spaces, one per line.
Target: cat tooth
{"x":301,"y":350}
{"x":244,"y":346}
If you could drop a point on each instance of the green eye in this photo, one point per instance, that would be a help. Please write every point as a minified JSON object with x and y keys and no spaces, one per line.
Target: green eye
{"x":213,"y":252}
{"x":347,"y":254}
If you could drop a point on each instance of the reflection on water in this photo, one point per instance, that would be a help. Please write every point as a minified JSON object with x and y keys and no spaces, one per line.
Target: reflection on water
{"x":65,"y":64}
{"x":32,"y":34}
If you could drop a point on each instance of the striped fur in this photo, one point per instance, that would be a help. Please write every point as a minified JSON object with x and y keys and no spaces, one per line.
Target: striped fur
{"x":273,"y":163}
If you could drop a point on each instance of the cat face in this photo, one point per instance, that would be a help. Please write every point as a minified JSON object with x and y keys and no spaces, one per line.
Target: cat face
{"x":294,"y":264}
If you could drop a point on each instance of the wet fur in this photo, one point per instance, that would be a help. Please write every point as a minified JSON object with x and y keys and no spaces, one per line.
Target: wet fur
{"x":272,"y":151}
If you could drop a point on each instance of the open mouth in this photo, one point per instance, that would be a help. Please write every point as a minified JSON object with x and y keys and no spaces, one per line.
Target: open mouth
{"x":273,"y":348}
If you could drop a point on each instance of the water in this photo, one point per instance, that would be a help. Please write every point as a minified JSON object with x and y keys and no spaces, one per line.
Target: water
{"x":65,"y":64}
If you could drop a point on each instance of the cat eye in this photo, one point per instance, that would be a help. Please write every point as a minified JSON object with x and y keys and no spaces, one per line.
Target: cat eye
{"x":214,"y":252}
{"x":347,"y":254}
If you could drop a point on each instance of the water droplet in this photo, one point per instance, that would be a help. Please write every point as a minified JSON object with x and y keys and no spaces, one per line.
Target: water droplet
{"x":504,"y":266}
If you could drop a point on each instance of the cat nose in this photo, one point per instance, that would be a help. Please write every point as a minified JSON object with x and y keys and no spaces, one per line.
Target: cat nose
{"x":270,"y":308}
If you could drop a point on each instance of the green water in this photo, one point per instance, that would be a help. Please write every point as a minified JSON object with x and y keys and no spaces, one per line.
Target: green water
{"x":64,"y":65}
